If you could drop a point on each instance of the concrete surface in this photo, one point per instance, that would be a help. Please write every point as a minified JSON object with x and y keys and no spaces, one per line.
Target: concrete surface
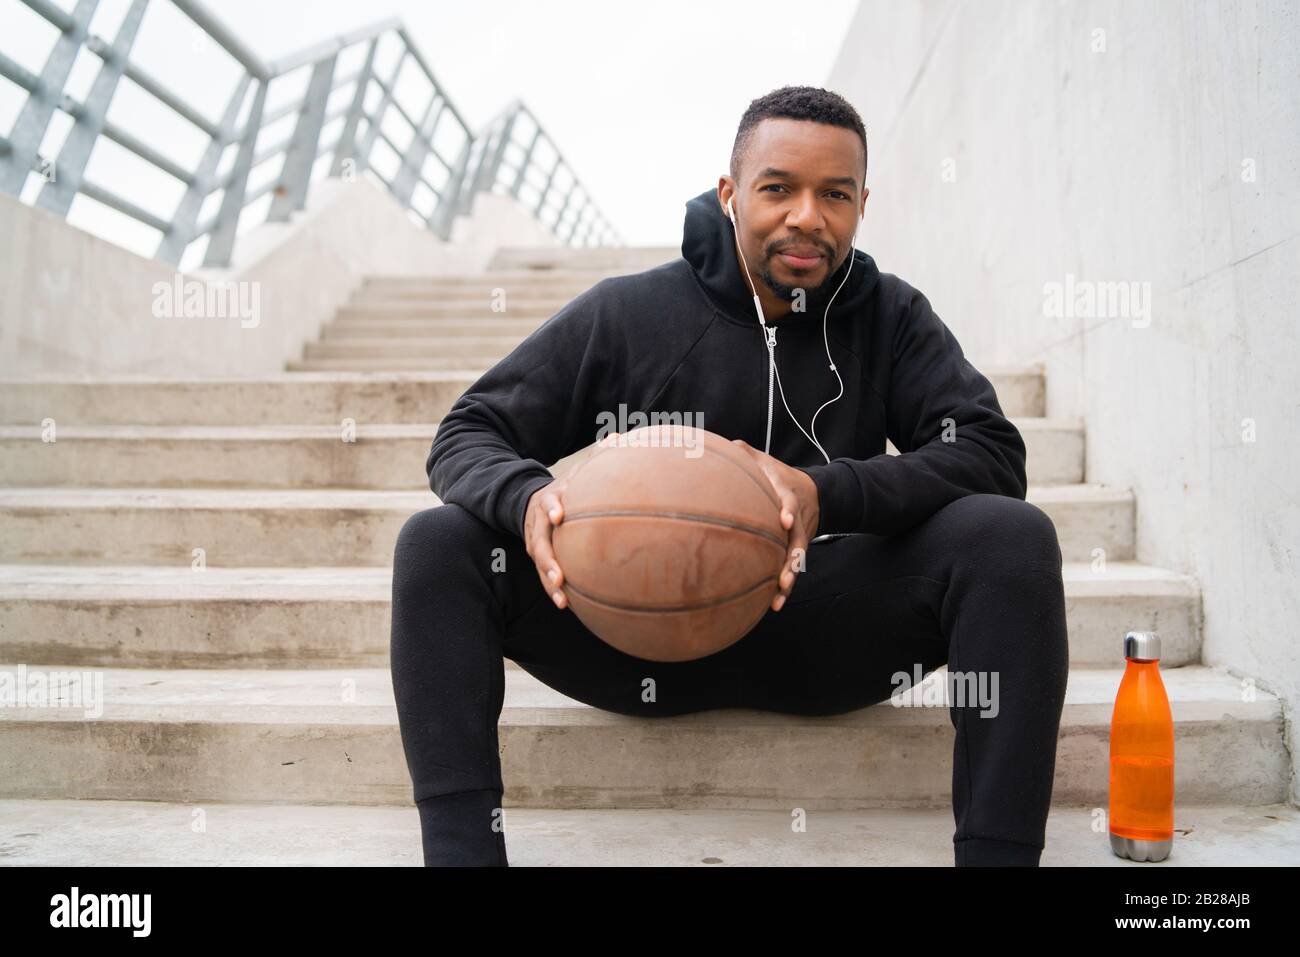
{"x":330,"y":526}
{"x":72,"y":303}
{"x":132,"y":833}
{"x":373,"y":455}
{"x":331,"y":736}
{"x":168,"y":614}
{"x":1020,"y":149}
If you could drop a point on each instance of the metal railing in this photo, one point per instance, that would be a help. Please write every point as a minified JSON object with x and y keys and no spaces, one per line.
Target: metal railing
{"x":478,"y":166}
{"x":568,"y":219}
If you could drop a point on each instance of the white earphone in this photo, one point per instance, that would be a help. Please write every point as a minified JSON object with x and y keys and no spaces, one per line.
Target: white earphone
{"x":770,"y":334}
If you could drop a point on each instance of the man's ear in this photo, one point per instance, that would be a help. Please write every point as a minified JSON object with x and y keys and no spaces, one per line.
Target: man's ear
{"x":726,"y":191}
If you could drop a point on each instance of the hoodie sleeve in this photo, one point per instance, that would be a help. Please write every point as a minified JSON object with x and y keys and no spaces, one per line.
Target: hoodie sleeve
{"x":943,"y":416}
{"x":534,"y":407}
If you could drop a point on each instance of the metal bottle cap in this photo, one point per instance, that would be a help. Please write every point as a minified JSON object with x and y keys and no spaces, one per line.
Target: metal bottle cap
{"x":1143,"y":645}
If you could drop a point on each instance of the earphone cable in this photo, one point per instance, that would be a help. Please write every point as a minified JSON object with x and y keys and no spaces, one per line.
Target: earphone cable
{"x":770,"y":337}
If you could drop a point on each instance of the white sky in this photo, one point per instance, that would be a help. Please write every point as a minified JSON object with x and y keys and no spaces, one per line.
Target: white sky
{"x":643,"y":100}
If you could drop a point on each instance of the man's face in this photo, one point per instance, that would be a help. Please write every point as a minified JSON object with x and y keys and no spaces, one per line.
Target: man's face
{"x":797,"y":202}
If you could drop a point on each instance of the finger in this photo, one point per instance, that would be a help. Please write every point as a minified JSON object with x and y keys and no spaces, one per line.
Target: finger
{"x":546,"y":552}
{"x":790,"y":573}
{"x":778,"y":601}
{"x":789,"y":501}
{"x":548,"y":567}
{"x":554,"y":507}
{"x":784,"y":581}
{"x":785,"y":584}
{"x":798,"y":552}
{"x":799,"y":536}
{"x":787,"y":573}
{"x":789,"y":506}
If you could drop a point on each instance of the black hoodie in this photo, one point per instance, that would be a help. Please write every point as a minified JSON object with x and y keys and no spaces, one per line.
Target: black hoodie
{"x":684,"y":337}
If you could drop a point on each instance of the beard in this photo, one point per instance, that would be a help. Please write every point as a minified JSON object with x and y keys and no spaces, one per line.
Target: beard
{"x":815,"y":297}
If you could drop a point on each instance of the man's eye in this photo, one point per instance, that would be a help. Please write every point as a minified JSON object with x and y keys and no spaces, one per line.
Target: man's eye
{"x":771,"y":186}
{"x":838,"y":193}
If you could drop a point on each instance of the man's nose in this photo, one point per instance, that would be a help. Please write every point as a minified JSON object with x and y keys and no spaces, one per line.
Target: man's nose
{"x":805,"y":215}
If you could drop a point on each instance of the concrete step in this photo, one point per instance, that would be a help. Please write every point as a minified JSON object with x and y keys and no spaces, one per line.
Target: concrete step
{"x":266,"y":456}
{"x":1093,"y":522}
{"x":330,"y":737}
{"x":470,"y":366}
{"x":472,"y":348}
{"x":498,"y":298}
{"x":320,"y":398}
{"x":159,"y":526}
{"x":427,"y":328}
{"x":1054,"y":449}
{"x":235,"y":527}
{"x":557,"y":282}
{"x":297,"y":398}
{"x":493,"y":302}
{"x":604,"y":258}
{"x":278,"y":617}
{"x":487,"y":338}
{"x":362,"y":455}
{"x":60,"y":833}
{"x":537,"y":309}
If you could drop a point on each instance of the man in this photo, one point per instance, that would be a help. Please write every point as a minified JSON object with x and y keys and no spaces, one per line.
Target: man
{"x":897,"y":563}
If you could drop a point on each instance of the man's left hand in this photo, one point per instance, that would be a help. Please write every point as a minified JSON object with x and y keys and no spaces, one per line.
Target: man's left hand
{"x":800,"y":514}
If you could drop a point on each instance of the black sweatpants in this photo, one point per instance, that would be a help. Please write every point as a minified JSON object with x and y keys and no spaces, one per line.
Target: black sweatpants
{"x":977,"y":586}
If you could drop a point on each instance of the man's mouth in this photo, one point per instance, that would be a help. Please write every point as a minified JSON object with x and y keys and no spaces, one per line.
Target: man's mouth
{"x":800,"y":257}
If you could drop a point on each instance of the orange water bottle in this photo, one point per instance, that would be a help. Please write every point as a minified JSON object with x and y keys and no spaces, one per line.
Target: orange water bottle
{"x":1142,"y":756}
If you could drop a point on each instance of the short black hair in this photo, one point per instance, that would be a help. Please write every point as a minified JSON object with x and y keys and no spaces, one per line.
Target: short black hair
{"x":797,"y":103}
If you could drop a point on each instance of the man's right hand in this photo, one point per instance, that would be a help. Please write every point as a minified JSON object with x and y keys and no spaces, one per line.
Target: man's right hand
{"x":546,"y":510}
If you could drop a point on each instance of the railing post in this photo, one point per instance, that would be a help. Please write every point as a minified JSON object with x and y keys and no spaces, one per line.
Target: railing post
{"x":449,"y":199}
{"x":484,"y":184}
{"x":57,"y":194}
{"x":186,"y":216}
{"x":413,"y":162}
{"x":373,"y":122}
{"x":29,"y":129}
{"x":528,"y":158}
{"x":222,"y":239}
{"x":347,"y":145}
{"x":541,"y":200}
{"x":577,"y":218}
{"x":559,"y":217}
{"x":473,"y":173}
{"x":291,"y":191}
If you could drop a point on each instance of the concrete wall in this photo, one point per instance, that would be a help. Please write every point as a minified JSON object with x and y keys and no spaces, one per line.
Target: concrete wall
{"x":494,"y":221}
{"x":1014,"y":145}
{"x":72,"y":303}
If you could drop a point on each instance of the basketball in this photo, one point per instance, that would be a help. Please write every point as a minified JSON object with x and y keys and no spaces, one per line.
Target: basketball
{"x":671,"y":543}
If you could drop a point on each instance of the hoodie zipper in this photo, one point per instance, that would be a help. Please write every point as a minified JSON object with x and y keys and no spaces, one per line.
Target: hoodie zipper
{"x":771,"y":382}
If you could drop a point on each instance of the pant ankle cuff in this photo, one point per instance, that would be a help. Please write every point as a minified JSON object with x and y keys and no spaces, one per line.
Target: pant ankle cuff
{"x":463,"y":829}
{"x":985,"y":852}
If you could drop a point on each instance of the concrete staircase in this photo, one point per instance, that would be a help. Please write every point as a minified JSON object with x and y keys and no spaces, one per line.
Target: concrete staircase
{"x":219,"y":552}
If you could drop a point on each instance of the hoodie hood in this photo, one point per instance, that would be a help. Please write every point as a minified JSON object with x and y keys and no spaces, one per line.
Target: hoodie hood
{"x":709,"y":246}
